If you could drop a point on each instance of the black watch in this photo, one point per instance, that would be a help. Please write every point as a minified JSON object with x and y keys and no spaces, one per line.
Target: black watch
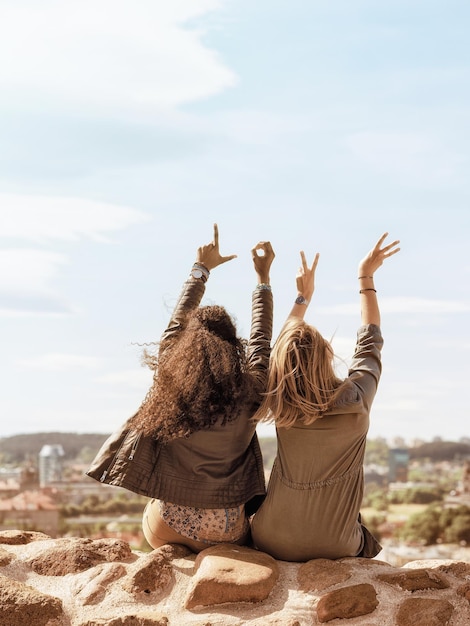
{"x":301,"y":300}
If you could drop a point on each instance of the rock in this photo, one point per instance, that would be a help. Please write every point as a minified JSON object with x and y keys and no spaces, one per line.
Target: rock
{"x":92,"y":588}
{"x":415,"y":580}
{"x":319,"y":574}
{"x":104,"y":583}
{"x":22,"y":605}
{"x":460,"y":570}
{"x":464,"y":591}
{"x":347,"y":602}
{"x":424,"y":612}
{"x":5,"y":557}
{"x":228,"y":573}
{"x":20,"y":537}
{"x":140,"y":619}
{"x":152,"y":572}
{"x":69,"y":556}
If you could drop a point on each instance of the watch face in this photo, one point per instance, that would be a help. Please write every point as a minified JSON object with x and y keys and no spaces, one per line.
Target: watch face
{"x":195,"y":273}
{"x":300,"y":300}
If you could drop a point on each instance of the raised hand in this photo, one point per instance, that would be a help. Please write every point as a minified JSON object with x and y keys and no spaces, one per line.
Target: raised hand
{"x":374,"y":259}
{"x":209,"y":255}
{"x":262,"y":255}
{"x":305,"y":278}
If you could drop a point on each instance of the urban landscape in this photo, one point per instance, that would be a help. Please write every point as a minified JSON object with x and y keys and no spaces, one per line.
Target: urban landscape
{"x":416,"y":499}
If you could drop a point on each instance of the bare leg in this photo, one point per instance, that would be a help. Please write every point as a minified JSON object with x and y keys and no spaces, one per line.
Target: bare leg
{"x":158,"y":533}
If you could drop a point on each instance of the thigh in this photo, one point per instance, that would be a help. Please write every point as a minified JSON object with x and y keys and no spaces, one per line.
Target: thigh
{"x":158,"y":533}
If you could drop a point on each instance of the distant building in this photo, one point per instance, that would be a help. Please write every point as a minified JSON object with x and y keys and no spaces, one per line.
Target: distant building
{"x":398,"y":465}
{"x":50,"y":464}
{"x":30,"y":510}
{"x":10,"y":482}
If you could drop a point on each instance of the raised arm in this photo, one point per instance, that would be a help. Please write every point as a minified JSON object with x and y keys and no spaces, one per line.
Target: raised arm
{"x":207,"y":258}
{"x":259,"y":344}
{"x":370,"y":312}
{"x":305,"y":283}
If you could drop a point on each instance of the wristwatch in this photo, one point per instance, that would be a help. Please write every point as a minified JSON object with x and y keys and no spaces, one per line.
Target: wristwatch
{"x":301,"y":300}
{"x":199,"y":271}
{"x":196,"y":273}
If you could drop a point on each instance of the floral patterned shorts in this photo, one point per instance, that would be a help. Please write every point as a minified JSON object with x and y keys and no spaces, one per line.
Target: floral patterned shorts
{"x":205,"y":525}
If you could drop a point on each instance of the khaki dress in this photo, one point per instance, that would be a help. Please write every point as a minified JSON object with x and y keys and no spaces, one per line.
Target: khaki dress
{"x":316,"y":486}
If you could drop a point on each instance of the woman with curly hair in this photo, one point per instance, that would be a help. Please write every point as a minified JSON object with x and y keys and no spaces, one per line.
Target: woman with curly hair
{"x":192,"y":446}
{"x":315,"y":489}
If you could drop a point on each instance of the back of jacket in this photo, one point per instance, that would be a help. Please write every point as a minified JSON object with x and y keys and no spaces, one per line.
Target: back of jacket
{"x":213,"y":468}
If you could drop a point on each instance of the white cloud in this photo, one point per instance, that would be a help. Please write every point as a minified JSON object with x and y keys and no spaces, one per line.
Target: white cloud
{"x":26,"y":268}
{"x":39,"y":218}
{"x":27,"y":275}
{"x":57,"y":361}
{"x":112,"y":54}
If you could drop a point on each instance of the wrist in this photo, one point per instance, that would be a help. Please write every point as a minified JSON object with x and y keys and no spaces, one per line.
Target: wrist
{"x":301,"y":299}
{"x":200,"y":271}
{"x":263,"y":280}
{"x":263,"y":287}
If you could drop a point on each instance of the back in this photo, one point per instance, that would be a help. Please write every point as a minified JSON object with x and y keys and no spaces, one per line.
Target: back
{"x":316,"y":485}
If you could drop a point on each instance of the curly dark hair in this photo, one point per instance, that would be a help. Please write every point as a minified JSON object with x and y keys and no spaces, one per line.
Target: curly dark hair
{"x":200,"y":378}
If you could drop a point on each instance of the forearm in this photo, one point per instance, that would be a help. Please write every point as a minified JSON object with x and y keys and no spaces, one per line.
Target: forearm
{"x":370,"y":312}
{"x":189,"y":299}
{"x":298,"y":310}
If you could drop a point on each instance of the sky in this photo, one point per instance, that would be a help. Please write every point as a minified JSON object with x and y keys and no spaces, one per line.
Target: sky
{"x":127,"y":129}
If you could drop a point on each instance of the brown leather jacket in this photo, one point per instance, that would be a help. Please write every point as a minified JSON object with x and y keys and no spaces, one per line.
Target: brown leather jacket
{"x":215,"y":468}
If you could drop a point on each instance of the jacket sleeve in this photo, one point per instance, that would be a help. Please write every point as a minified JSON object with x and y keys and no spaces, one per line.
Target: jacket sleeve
{"x":366,"y":366}
{"x":189,"y":299}
{"x":259,"y":345}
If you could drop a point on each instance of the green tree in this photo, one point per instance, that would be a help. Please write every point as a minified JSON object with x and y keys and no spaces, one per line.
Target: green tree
{"x":423,"y":527}
{"x":458,"y":526}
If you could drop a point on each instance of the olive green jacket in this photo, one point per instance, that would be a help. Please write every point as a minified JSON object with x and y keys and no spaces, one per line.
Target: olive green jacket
{"x":215,"y":468}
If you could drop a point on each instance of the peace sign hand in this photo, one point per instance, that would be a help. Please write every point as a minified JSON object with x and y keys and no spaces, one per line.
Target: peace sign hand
{"x":305,"y":278}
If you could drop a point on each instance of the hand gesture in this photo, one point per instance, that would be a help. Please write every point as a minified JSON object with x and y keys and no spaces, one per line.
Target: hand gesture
{"x":374,"y":259}
{"x":209,"y":255}
{"x":262,"y":255}
{"x":305,"y":278}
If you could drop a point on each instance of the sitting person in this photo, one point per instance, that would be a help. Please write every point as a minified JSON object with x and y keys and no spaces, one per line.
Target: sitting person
{"x":315,"y":489}
{"x":192,"y":446}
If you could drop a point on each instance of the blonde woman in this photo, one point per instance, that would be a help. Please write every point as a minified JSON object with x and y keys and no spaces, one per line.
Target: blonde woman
{"x":316,"y":486}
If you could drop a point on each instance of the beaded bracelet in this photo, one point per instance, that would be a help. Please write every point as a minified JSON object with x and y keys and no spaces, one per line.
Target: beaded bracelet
{"x":368,"y":289}
{"x":264,"y":286}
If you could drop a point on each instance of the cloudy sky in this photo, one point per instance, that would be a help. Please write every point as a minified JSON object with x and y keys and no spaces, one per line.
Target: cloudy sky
{"x":128,"y":128}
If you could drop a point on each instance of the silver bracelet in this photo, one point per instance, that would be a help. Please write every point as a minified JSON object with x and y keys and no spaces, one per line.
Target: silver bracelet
{"x":202,"y":268}
{"x":263,"y":286}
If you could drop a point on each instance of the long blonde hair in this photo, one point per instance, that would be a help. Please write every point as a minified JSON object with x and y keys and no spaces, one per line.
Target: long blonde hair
{"x":302,"y":383}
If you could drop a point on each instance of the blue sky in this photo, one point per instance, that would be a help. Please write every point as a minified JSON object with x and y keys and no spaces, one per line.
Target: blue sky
{"x":128,"y":128}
